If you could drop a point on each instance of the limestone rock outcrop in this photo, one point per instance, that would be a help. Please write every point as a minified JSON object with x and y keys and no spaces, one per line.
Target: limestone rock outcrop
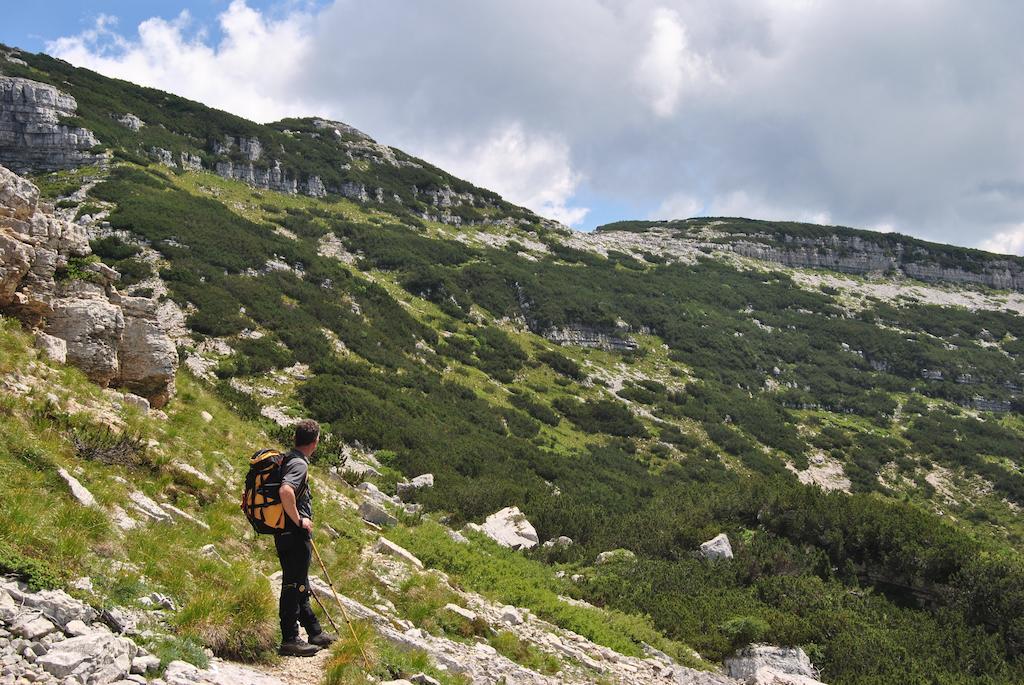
{"x":32,"y":136}
{"x":586,"y":336}
{"x":771,"y":665}
{"x":48,"y":282}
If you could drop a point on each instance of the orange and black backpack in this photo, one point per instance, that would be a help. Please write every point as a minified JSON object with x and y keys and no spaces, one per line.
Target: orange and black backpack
{"x":261,"y":500}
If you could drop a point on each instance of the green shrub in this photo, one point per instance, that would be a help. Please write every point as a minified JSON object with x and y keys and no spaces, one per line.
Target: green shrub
{"x":38,"y":573}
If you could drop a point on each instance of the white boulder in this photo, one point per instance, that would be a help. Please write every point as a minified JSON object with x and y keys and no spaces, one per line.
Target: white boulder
{"x":717,"y":547}
{"x":510,"y":528}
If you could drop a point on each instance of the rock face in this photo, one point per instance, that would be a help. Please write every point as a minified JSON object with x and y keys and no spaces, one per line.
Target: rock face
{"x":31,"y":135}
{"x":585,"y":336}
{"x":770,"y":665}
{"x":510,"y":528}
{"x":80,"y":316}
{"x":266,"y":177}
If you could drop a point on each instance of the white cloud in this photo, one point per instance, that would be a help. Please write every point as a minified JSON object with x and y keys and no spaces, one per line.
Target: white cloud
{"x":667,"y":66}
{"x":1010,"y":241}
{"x":531,"y":170}
{"x":740,"y":203}
{"x":678,"y":206}
{"x":864,"y":114}
{"x":250,"y":72}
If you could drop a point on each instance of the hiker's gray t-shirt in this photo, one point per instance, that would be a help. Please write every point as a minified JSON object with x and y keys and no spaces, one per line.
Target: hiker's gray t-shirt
{"x":294,"y":473}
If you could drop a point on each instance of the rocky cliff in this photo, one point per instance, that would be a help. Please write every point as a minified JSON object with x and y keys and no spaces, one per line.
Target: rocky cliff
{"x":50,"y":282}
{"x":856,"y":255}
{"x":834,"y":248}
{"x":33,"y":136}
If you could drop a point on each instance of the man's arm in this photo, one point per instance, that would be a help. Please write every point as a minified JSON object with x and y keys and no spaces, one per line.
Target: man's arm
{"x":288,"y":501}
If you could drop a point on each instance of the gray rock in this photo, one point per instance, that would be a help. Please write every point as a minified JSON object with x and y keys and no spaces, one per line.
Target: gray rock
{"x":148,"y":357}
{"x":614,"y":555}
{"x":219,"y":673}
{"x":77,"y":628}
{"x":510,"y":528}
{"x":95,"y":658}
{"x":407,"y":490}
{"x":385,"y":546}
{"x":460,"y":611}
{"x":129,"y":120}
{"x":511,"y":615}
{"x":717,"y":547}
{"x":32,"y":625}
{"x":56,"y":605}
{"x":140,"y":403}
{"x":144,"y":664}
{"x":376,"y":514}
{"x":32,"y":137}
{"x":560,"y":541}
{"x":55,"y":349}
{"x":771,"y":665}
{"x":78,"y":491}
{"x":423,"y":679}
{"x":184,"y":516}
{"x":147,"y":507}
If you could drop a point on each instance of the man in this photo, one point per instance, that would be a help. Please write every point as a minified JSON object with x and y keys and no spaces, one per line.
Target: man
{"x":295,"y":548}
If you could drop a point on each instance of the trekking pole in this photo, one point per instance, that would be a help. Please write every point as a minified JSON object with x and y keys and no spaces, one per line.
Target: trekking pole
{"x":337,"y":599}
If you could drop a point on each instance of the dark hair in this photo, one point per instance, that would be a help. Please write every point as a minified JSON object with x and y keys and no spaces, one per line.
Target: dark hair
{"x":306,"y":432}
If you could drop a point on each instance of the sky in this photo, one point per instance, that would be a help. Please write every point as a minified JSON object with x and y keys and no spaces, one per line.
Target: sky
{"x":902,"y":115}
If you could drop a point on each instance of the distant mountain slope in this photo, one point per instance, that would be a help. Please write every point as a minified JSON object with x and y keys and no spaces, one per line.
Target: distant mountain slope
{"x":856,"y":435}
{"x":842,"y":249}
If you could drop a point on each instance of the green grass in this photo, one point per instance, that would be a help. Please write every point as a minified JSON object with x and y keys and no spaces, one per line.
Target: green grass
{"x":525,"y":654}
{"x":368,"y":658}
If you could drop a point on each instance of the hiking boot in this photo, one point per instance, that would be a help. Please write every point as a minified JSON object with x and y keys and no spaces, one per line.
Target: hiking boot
{"x":322,"y":639}
{"x":297,"y":647}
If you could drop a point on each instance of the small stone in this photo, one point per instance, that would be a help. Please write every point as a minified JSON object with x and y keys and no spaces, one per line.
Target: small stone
{"x":78,"y":491}
{"x":560,"y":541}
{"x":76,"y":628}
{"x":460,"y":611}
{"x":206,"y":416}
{"x":424,"y":679}
{"x":385,"y":546}
{"x":140,"y":403}
{"x":145,"y":664}
{"x":511,"y":615}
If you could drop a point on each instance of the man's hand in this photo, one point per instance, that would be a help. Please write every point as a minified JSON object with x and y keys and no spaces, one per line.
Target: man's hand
{"x":287,"y":494}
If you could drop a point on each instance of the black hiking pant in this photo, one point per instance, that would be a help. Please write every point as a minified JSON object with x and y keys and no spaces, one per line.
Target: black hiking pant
{"x":294,"y":551}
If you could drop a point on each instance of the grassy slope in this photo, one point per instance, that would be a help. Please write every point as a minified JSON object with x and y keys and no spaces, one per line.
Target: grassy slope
{"x":426,"y":351}
{"x":224,"y":606}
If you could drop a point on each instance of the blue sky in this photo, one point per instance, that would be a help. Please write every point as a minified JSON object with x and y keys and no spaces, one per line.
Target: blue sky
{"x":890,"y":115}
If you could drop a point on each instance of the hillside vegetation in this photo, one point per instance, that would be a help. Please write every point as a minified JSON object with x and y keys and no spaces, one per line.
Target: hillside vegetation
{"x":432,"y":345}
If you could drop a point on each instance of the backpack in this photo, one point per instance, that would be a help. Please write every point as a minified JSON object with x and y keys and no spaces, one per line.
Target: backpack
{"x":261,"y":499}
